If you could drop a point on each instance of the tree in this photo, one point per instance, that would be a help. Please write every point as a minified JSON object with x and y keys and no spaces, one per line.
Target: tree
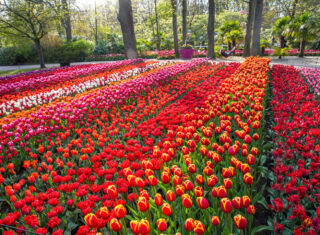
{"x":231,"y":31}
{"x":278,"y":29}
{"x":157,"y":26}
{"x":210,"y":29}
{"x":257,"y":28}
{"x":126,"y":21}
{"x":184,"y":21}
{"x":304,"y":28}
{"x":248,"y":37}
{"x":65,"y":20}
{"x":174,"y":27}
{"x":26,"y":19}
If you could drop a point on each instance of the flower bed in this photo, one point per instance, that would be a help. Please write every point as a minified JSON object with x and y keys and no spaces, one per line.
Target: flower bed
{"x":171,"y":149}
{"x":312,"y":76}
{"x":295,"y":178}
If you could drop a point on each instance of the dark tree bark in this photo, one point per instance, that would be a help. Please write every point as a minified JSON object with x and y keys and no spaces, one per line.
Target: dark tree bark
{"x":157,"y":26}
{"x":174,"y":27}
{"x":40,"y":54}
{"x":184,"y":21}
{"x":233,"y":45}
{"x":302,"y":48}
{"x":281,"y":42}
{"x":247,"y":42}
{"x":210,"y":29}
{"x":66,"y":22}
{"x":126,"y":22}
{"x":294,"y":7}
{"x":257,"y":28}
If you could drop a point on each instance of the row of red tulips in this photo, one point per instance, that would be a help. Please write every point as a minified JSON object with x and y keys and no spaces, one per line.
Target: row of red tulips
{"x":295,"y":179}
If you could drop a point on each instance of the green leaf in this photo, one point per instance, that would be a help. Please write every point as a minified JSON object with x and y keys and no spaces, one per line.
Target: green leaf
{"x":260,"y":229}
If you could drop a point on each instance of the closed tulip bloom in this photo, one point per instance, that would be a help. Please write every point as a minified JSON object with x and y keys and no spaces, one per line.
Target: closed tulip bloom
{"x":202,"y":203}
{"x":171,"y":196}
{"x":189,"y":224}
{"x":248,"y":179}
{"x":103,"y":213}
{"x":188,"y":185}
{"x":251,"y":160}
{"x":144,"y":227}
{"x":158,"y":200}
{"x":112,"y":191}
{"x":251,"y":210}
{"x":192,"y":168}
{"x":240,"y":221}
{"x":199,"y":179}
{"x":166,"y":209}
{"x":162,"y":225}
{"x":245,"y":168}
{"x":153,"y":181}
{"x":134,"y":226}
{"x":237,"y":203}
{"x":221,"y":192}
{"x":180,"y":190}
{"x":115,"y":225}
{"x":246,"y":201}
{"x":215,"y":220}
{"x":198,"y":191}
{"x":186,"y":200}
{"x":227,"y":183}
{"x":226,"y":205}
{"x":198,"y":227}
{"x":91,"y":220}
{"x":120,"y":211}
{"x":143,"y":204}
{"x":176,"y":180}
{"x":165,"y":178}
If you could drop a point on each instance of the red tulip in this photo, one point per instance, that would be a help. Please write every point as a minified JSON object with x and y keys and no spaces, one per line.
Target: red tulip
{"x":158,"y":200}
{"x":189,"y":224}
{"x":115,"y":225}
{"x":162,"y":225}
{"x":166,"y":209}
{"x":120,"y":211}
{"x":240,"y":221}
{"x":143,"y":204}
{"x":186,"y":200}
{"x":202,"y":202}
{"x":226,"y":205}
{"x":215,"y":220}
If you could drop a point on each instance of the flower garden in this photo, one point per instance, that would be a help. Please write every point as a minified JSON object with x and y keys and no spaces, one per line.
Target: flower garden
{"x":158,"y":147}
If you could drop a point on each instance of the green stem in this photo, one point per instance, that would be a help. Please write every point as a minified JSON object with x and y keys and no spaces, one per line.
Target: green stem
{"x":150,"y":220}
{"x":124,"y":226}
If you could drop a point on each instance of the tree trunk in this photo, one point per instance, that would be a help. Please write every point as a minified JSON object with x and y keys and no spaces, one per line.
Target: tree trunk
{"x":157,"y":25}
{"x":302,"y":47}
{"x":66,"y":20}
{"x":294,"y":9}
{"x":262,"y":51}
{"x":247,"y":42}
{"x":210,"y":29}
{"x":257,"y":28}
{"x":174,"y":27}
{"x":126,"y":22}
{"x":95,"y":23}
{"x":184,"y":21}
{"x":233,"y":45}
{"x":281,"y":41}
{"x":40,"y":54}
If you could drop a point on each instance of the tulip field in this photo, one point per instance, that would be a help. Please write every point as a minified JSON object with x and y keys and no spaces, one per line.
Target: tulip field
{"x":161,"y":147}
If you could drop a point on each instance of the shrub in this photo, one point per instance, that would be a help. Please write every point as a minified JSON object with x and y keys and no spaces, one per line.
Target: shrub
{"x":76,"y":50}
{"x":8,"y":55}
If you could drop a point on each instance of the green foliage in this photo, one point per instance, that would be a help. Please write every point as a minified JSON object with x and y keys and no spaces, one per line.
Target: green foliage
{"x":76,"y":50}
{"x":111,"y":43}
{"x":278,"y":29}
{"x":231,"y":31}
{"x":144,"y":45}
{"x":229,"y":16}
{"x":305,"y":27}
{"x":280,"y":52}
{"x":264,"y":43}
{"x":8,"y":55}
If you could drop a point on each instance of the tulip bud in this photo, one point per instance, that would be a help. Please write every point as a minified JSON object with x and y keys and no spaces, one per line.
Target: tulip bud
{"x":202,"y":203}
{"x":166,"y":209}
{"x":176,"y":180}
{"x":143,"y":204}
{"x":248,"y":179}
{"x":91,"y":220}
{"x":198,"y":227}
{"x":221,"y":192}
{"x":134,"y":226}
{"x":208,"y":171}
{"x":165,"y":178}
{"x":186,"y":200}
{"x":199,"y":179}
{"x":227,"y":183}
{"x":120,"y":211}
{"x":144,"y":227}
{"x":198,"y":191}
{"x":153,"y":181}
{"x":180,"y":190}
{"x":189,"y":224}
{"x":215,"y":220}
{"x":103,"y":213}
{"x":245,"y":168}
{"x":192,"y":168}
{"x":246,"y":201}
{"x":226,"y":205}
{"x":237,"y":203}
{"x":115,"y":225}
{"x":240,"y":221}
{"x":188,"y":185}
{"x":158,"y":200}
{"x":251,"y":159}
{"x":171,"y":196}
{"x":112,"y":191}
{"x":162,"y":225}
{"x":251,"y":210}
